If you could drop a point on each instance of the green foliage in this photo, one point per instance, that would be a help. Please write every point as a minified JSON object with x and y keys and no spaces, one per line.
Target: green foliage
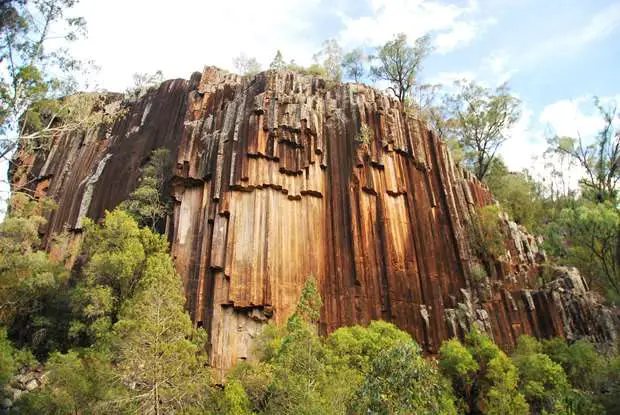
{"x":315,"y":70}
{"x":236,"y":399}
{"x":309,"y":305}
{"x":365,"y":135}
{"x":117,"y":257}
{"x":11,"y":360}
{"x":400,"y":381}
{"x":486,"y":236}
{"x":256,"y":380}
{"x":32,"y":287}
{"x":300,"y":373}
{"x":353,"y":64}
{"x":516,"y":192}
{"x":34,"y":70}
{"x":399,"y":64}
{"x":610,"y":396}
{"x":482,"y":375}
{"x":156,"y":346}
{"x":479,"y":118}
{"x":502,"y":397}
{"x":147,"y":204}
{"x":593,"y":376}
{"x":478,"y":273}
{"x":278,"y":62}
{"x":587,"y":239}
{"x":78,"y":382}
{"x":542,"y":382}
{"x":581,"y":362}
{"x":457,"y":362}
{"x":357,"y":346}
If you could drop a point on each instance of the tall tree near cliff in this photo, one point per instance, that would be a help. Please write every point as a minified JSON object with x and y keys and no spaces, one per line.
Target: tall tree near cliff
{"x":480,"y":118}
{"x":158,"y":349}
{"x":33,"y":290}
{"x":143,"y":82}
{"x":246,"y":65}
{"x":401,"y":381}
{"x":600,"y":158}
{"x":330,"y":56}
{"x":147,"y":204}
{"x":585,"y":236}
{"x":482,"y":375}
{"x":35,"y":73}
{"x":353,"y":64}
{"x":278,"y":62}
{"x":399,"y":63}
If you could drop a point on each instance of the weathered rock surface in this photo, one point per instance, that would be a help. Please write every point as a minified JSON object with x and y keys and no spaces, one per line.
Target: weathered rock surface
{"x":283,"y":176}
{"x":27,"y":380}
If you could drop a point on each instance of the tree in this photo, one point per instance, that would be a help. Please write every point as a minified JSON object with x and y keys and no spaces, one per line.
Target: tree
{"x":158,"y":350}
{"x":542,"y":382}
{"x":486,"y":236}
{"x":399,"y":63}
{"x":353,"y":64}
{"x":482,"y":375}
{"x":401,"y":381}
{"x":278,"y":62}
{"x":246,"y":66}
{"x":600,"y":159}
{"x":586,"y":237}
{"x":309,"y":305}
{"x":143,"y":82}
{"x":331,"y":56}
{"x":481,"y":118}
{"x":34,"y":71}
{"x":147,"y":204}
{"x":34,"y":304}
{"x":516,"y":192}
{"x":77,"y":382}
{"x":118,"y":253}
{"x":458,"y":364}
{"x":357,"y":346}
{"x":11,"y":360}
{"x":502,"y":397}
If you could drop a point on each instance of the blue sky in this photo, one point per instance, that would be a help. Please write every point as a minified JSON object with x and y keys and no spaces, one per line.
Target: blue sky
{"x":555,"y":54}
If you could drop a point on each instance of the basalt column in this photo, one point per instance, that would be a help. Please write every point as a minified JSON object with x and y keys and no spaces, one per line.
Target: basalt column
{"x":282,"y":176}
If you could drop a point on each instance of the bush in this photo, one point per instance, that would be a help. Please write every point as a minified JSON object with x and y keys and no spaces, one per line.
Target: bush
{"x":486,"y":235}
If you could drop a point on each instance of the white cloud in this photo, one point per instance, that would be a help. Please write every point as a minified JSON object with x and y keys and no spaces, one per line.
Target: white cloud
{"x":448,"y":78}
{"x":524,"y":143}
{"x":461,"y":34}
{"x":498,"y":68}
{"x":455,"y":26}
{"x":142,"y":36}
{"x":570,"y":117}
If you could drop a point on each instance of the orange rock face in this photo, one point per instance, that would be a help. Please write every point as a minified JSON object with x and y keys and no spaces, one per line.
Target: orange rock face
{"x":283,"y":176}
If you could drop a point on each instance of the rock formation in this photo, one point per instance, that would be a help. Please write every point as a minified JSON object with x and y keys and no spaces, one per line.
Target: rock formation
{"x":281,"y":176}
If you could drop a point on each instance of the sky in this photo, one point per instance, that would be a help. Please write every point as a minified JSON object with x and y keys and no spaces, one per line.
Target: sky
{"x":555,"y":54}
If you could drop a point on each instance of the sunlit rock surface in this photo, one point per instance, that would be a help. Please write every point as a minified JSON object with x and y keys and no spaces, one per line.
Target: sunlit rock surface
{"x":282,"y":176}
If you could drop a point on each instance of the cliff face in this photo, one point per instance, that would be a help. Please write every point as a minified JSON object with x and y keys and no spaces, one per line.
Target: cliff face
{"x":283,"y":176}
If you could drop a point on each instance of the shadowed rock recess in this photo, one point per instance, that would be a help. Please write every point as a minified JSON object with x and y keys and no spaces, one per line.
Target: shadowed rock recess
{"x":281,"y":176}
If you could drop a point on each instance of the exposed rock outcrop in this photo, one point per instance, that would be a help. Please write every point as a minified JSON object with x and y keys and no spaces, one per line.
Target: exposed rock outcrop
{"x":27,"y":380}
{"x":282,"y":176}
